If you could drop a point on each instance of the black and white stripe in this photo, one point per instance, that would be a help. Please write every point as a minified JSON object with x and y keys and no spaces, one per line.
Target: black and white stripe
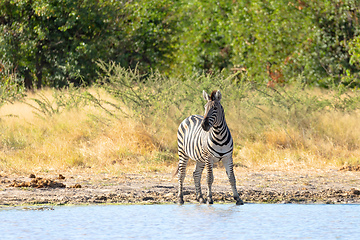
{"x":206,"y":140}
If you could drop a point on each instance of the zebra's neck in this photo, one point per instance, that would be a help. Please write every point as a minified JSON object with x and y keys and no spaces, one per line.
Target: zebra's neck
{"x":219,"y":128}
{"x":219,"y":140}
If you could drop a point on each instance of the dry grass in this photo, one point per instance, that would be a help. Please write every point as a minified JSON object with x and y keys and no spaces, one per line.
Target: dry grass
{"x":331,"y":142}
{"x":87,"y":139}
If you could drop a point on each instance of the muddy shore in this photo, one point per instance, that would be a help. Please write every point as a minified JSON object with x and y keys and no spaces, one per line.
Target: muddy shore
{"x":330,"y":186}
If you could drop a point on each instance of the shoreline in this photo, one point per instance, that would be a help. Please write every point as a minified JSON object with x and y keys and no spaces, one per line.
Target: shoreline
{"x":304,"y":186}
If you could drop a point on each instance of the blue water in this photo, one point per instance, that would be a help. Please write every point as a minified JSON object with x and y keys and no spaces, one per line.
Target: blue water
{"x":190,"y":221}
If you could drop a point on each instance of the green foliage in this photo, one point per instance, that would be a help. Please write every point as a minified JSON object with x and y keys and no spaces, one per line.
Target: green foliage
{"x":305,"y":38}
{"x":56,"y":42}
{"x":53,"y":42}
{"x":149,"y":35}
{"x":354,"y":51}
{"x":203,"y":43}
{"x":11,"y":87}
{"x":335,"y":25}
{"x":268,"y":32}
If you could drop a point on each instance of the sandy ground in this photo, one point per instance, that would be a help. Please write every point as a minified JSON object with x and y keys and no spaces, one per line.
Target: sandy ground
{"x":330,"y":186}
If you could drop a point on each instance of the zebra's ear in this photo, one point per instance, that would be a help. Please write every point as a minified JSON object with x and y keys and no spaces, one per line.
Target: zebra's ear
{"x":218,"y":95}
{"x":206,"y":96}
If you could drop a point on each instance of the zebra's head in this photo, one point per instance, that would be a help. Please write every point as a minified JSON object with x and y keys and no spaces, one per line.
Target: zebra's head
{"x":213,"y":109}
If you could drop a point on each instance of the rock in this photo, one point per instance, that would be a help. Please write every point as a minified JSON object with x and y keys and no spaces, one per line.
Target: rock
{"x":355,"y":191}
{"x":38,"y":183}
{"x":61,"y":177}
{"x":148,"y":199}
{"x":350,"y":168}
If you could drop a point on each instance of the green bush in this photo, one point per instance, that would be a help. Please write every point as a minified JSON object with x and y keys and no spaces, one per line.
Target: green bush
{"x":11,"y":87}
{"x":56,"y":42}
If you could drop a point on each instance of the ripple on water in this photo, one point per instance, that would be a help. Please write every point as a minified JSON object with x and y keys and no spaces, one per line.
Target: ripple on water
{"x":190,"y":221}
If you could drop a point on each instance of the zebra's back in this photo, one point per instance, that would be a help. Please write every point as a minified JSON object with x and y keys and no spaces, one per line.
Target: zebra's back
{"x":190,"y":137}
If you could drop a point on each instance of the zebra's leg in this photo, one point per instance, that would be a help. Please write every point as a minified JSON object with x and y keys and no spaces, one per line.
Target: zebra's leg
{"x":210,"y":180}
{"x":228,"y":164}
{"x":197,"y":180}
{"x":183,"y":159}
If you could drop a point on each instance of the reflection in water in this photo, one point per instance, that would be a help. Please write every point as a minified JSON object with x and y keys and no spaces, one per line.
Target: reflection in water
{"x":209,"y":211}
{"x":189,"y":221}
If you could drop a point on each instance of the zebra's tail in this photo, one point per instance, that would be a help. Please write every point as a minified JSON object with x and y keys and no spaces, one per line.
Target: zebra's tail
{"x":176,"y":172}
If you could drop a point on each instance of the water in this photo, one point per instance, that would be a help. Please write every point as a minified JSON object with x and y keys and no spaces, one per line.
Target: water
{"x":190,"y":221}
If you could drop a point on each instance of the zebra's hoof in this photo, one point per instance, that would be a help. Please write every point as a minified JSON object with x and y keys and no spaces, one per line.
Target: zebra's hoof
{"x":209,"y":201}
{"x":180,"y":201}
{"x":201,"y":200}
{"x":239,"y":202}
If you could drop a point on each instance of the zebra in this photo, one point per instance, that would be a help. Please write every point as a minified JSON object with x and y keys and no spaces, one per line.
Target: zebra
{"x":206,"y":140}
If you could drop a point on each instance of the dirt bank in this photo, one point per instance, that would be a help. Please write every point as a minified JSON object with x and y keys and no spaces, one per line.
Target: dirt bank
{"x":330,"y":186}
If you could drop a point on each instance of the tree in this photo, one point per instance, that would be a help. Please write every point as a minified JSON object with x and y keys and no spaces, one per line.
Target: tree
{"x":202,"y":45}
{"x":54,"y":42}
{"x":335,"y":25}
